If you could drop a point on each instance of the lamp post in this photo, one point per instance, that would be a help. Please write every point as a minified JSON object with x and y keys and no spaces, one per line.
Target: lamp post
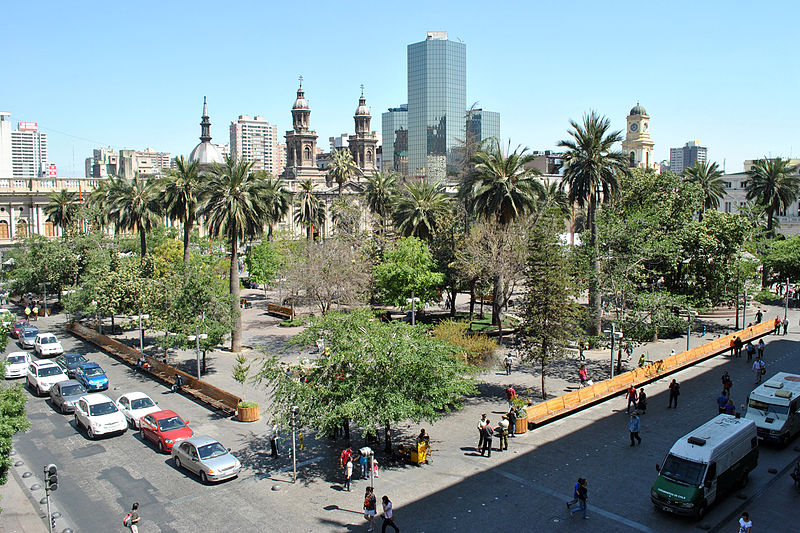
{"x":412,"y":301}
{"x":96,"y":321}
{"x":614,"y":335}
{"x":786,"y":301}
{"x":295,"y":410}
{"x":141,"y":330}
{"x":196,"y":337}
{"x":689,"y":318}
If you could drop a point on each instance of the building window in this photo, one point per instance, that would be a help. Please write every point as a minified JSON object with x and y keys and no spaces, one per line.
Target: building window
{"x":727,"y":207}
{"x":369,"y":156}
{"x":307,"y":153}
{"x":3,"y":229}
{"x":633,"y":159}
{"x":22,"y":229}
{"x":744,"y":184}
{"x":49,"y":229}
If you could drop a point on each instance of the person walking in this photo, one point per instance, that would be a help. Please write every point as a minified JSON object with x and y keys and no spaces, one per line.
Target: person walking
{"x":730,"y":409}
{"x":722,"y":401}
{"x":35,"y":312}
{"x":370,"y":504}
{"x":134,"y":527}
{"x":737,"y":346}
{"x":583,"y":496}
{"x":785,"y":325}
{"x":503,"y":429}
{"x":273,"y":439}
{"x":575,"y":498}
{"x":760,"y":348}
{"x":777,"y":325}
{"x":510,"y":395}
{"x":27,"y":313}
{"x":631,"y":398}
{"x":634,"y":425}
{"x":346,"y":454}
{"x":348,"y":473}
{"x":388,"y":515}
{"x":481,"y":424}
{"x":512,"y":422}
{"x":363,"y":461}
{"x":642,"y":403}
{"x":759,"y":316}
{"x":674,"y":392}
{"x":727,"y":382}
{"x":745,"y":524}
{"x":508,"y":361}
{"x":583,"y":375}
{"x":488,"y":432}
{"x":759,"y":369}
{"x":751,"y":350}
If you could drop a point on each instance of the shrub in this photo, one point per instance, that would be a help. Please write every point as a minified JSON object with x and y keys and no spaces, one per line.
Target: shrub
{"x":478,"y":349}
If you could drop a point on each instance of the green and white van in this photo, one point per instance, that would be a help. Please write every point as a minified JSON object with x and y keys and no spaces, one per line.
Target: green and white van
{"x":705,"y":464}
{"x":774,"y":406}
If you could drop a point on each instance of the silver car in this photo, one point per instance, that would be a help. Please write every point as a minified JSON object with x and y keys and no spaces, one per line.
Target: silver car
{"x":207,"y":458}
{"x":65,"y":394}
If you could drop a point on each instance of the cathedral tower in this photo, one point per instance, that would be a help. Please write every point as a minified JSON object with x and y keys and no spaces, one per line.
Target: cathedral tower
{"x":364,"y":143}
{"x":637,"y":144}
{"x":301,"y":142}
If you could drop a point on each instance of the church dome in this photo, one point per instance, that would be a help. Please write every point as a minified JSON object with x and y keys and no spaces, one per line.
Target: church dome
{"x":301,"y":102}
{"x":362,"y":108}
{"x":206,"y":153}
{"x":638,"y":110}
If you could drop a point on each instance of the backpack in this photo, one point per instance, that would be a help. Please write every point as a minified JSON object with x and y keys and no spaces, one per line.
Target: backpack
{"x":127,"y":520}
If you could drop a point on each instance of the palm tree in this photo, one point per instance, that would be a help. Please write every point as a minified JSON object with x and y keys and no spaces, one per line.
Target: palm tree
{"x":501,"y":189}
{"x":774,"y":184}
{"x":709,"y":177}
{"x":135,"y":204}
{"x":233,"y":206}
{"x":342,"y":167}
{"x":278,"y":199}
{"x":309,"y":210}
{"x":418,"y":210}
{"x":180,"y":196}
{"x":380,"y":193}
{"x":591,"y":167}
{"x":552,"y":196}
{"x":98,"y":204}
{"x":61,"y":210}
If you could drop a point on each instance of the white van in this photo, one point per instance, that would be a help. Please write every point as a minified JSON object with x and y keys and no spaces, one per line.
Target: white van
{"x":775,"y":407}
{"x":704,"y":464}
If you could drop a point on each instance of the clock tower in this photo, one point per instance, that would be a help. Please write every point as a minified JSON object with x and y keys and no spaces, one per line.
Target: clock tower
{"x":638,"y":146}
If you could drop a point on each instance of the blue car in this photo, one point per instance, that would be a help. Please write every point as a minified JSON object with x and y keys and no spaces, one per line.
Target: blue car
{"x":91,"y":376}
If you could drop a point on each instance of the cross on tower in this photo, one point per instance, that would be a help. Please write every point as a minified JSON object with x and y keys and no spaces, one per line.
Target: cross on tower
{"x":301,"y":80}
{"x":362,"y":89}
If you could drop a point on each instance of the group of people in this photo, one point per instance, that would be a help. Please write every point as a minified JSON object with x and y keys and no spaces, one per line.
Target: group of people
{"x":637,"y":399}
{"x":370,"y":502}
{"x":504,"y":430}
{"x":370,"y":510}
{"x":32,"y":311}
{"x":347,"y":462}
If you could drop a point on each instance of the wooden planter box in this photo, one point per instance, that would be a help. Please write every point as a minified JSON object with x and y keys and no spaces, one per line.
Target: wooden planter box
{"x":522,"y":425}
{"x":247,"y":414}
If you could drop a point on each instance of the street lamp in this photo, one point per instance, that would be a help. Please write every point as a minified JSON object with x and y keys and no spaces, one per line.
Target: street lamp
{"x":412,"y":301}
{"x":614,"y":335}
{"x":141,"y":330}
{"x":196,"y":337}
{"x":690,"y":315}
{"x":295,"y":411}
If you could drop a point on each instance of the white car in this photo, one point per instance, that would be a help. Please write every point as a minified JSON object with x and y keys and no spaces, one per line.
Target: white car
{"x":135,"y":405}
{"x":17,"y":364}
{"x":99,"y":415}
{"x":43,"y":374}
{"x":47,"y":345}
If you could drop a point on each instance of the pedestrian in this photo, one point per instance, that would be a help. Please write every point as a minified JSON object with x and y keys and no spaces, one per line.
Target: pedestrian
{"x":35,"y":312}
{"x":512,"y":422}
{"x":363,"y":461}
{"x":447,"y":303}
{"x":642,"y":404}
{"x":634,"y":425}
{"x":674,"y":392}
{"x":745,"y":524}
{"x":510,"y":395}
{"x":751,"y":350}
{"x":733,"y":346}
{"x":27,"y":313}
{"x":320,"y":345}
{"x":388,"y":515}
{"x":134,"y":527}
{"x":488,"y":432}
{"x":727,"y":382}
{"x":503,"y":429}
{"x":481,"y":424}
{"x":785,"y":325}
{"x":722,"y":401}
{"x":581,"y":355}
{"x":346,"y":454}
{"x":509,"y":361}
{"x":777,"y":325}
{"x":370,"y":507}
{"x":583,"y":375}
{"x":375,"y":467}
{"x":759,"y":316}
{"x":583,"y":496}
{"x":760,"y":348}
{"x":759,"y":369}
{"x":631,"y":398}
{"x":273,"y":439}
{"x":642,"y":360}
{"x":737,"y":346}
{"x":730,"y":409}
{"x":348,"y":473}
{"x":575,"y":493}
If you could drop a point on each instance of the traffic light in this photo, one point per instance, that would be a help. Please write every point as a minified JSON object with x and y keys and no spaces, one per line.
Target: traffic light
{"x":51,"y":477}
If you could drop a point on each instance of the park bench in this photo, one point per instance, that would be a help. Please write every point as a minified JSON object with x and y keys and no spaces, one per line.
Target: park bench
{"x":280,"y":311}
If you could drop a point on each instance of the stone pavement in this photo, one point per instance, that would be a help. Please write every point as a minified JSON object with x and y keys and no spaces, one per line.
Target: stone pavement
{"x":19,"y":514}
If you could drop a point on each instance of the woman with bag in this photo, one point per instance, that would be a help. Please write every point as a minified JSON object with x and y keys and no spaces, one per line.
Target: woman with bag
{"x":369,"y":507}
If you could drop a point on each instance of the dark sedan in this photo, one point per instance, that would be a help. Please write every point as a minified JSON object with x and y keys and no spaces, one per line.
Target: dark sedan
{"x":65,"y":394}
{"x":69,"y":362}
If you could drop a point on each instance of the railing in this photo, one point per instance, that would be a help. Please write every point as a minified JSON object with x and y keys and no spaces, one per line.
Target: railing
{"x":573,"y":401}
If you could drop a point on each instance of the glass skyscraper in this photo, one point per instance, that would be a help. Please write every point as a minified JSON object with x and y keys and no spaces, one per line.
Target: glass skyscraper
{"x":437,"y":102}
{"x":394,"y":127}
{"x":482,"y":125}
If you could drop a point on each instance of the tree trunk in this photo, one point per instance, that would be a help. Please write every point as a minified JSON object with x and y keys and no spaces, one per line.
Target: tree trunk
{"x":497,"y":306}
{"x":594,"y":289}
{"x":113,"y":323}
{"x":187,"y":232}
{"x":236,"y":332}
{"x":143,"y":240}
{"x":346,"y":429}
{"x":544,"y":394}
{"x":471,"y":299}
{"x":453,"y":295}
{"x":387,"y":433}
{"x":269,"y":233}
{"x":764,"y":269}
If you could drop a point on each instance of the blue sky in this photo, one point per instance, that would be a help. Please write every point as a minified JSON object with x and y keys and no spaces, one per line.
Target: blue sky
{"x":133,"y":74}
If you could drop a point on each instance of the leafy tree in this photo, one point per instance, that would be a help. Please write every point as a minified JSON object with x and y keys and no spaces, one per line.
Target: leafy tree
{"x":166,"y":257}
{"x":181,"y":197}
{"x":62,"y":209}
{"x":12,"y":421}
{"x":709,"y":178}
{"x":783,"y":258}
{"x":376,"y":374}
{"x":263,"y":263}
{"x":39,"y":260}
{"x":417,"y":211}
{"x":551,"y":313}
{"x":408,"y":270}
{"x":135,"y":204}
{"x":380,"y":193}
{"x":446,"y":241}
{"x":342,"y":167}
{"x":309,"y":209}
{"x":591,"y":169}
{"x":233,"y":207}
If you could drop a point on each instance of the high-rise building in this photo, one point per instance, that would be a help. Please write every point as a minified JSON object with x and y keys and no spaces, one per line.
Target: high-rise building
{"x":482,"y":125}
{"x":682,"y":158}
{"x":255,"y":140}
{"x":28,"y":151}
{"x":144,"y":163}
{"x":637,"y":144}
{"x":436,"y":102}
{"x":5,"y":145}
{"x":394,"y":125}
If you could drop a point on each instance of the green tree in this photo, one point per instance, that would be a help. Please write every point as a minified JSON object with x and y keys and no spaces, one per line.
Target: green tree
{"x":408,"y":270}
{"x":783,"y":258}
{"x":380,"y":193}
{"x":591,"y":170}
{"x":418,"y":210}
{"x":263,"y":263}
{"x":376,"y":374}
{"x":39,"y":260}
{"x":61,"y":210}
{"x":309,"y":209}
{"x":12,"y":421}
{"x":233,"y":207}
{"x":181,"y":197}
{"x":709,"y":178}
{"x":342,"y":167}
{"x":551,"y":313}
{"x":135,"y":204}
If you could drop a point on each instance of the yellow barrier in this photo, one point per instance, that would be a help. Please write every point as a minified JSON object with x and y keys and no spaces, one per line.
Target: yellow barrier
{"x":602,"y":390}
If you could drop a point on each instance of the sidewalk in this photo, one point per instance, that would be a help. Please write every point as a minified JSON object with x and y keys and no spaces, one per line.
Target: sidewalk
{"x":19,"y":514}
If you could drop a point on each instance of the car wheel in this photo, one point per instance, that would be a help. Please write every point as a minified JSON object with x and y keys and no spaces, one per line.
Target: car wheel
{"x":141,"y":434}
{"x":90,"y":433}
{"x":161,"y":447}
{"x":178,"y":464}
{"x":203,"y":477}
{"x":701,"y":512}
{"x":64,"y":408}
{"x":38,"y":391}
{"x":77,"y":423}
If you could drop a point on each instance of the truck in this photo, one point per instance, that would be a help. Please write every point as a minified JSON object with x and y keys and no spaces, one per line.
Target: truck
{"x":704,"y":464}
{"x":774,"y":406}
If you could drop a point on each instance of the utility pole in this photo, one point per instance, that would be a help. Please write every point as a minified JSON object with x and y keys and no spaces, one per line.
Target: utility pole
{"x":295,"y":409}
{"x":786,"y":301}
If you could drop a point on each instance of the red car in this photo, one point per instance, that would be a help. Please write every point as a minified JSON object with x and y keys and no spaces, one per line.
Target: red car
{"x":165,"y":429}
{"x":17,"y":328}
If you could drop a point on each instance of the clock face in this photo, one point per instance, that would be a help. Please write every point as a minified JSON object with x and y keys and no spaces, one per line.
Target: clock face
{"x":634,"y":127}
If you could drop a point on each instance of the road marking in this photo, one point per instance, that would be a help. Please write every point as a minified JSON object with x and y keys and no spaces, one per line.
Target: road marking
{"x":559,"y":496}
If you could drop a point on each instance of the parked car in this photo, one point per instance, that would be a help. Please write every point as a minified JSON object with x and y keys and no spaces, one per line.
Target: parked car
{"x":17,"y":364}
{"x":65,"y":395}
{"x":164,"y":428}
{"x":17,"y":328}
{"x":91,"y":376}
{"x":207,"y":458}
{"x":7,"y":318}
{"x":27,"y":336}
{"x":69,"y":362}
{"x":99,"y":416}
{"x":42,"y":375}
{"x":47,"y":345}
{"x":135,"y":405}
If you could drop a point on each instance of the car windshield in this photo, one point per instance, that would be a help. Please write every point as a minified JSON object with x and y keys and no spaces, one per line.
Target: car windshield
{"x":21,"y":325}
{"x":50,"y":371}
{"x":30,"y":333}
{"x":212,"y":450}
{"x":102,"y":409}
{"x":93,"y":371}
{"x":48,"y":340}
{"x":683,"y":470}
{"x":75,"y":359}
{"x":12,"y":359}
{"x":72,"y":390}
{"x":141,"y":403}
{"x":767,"y":408}
{"x":168,"y":424}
